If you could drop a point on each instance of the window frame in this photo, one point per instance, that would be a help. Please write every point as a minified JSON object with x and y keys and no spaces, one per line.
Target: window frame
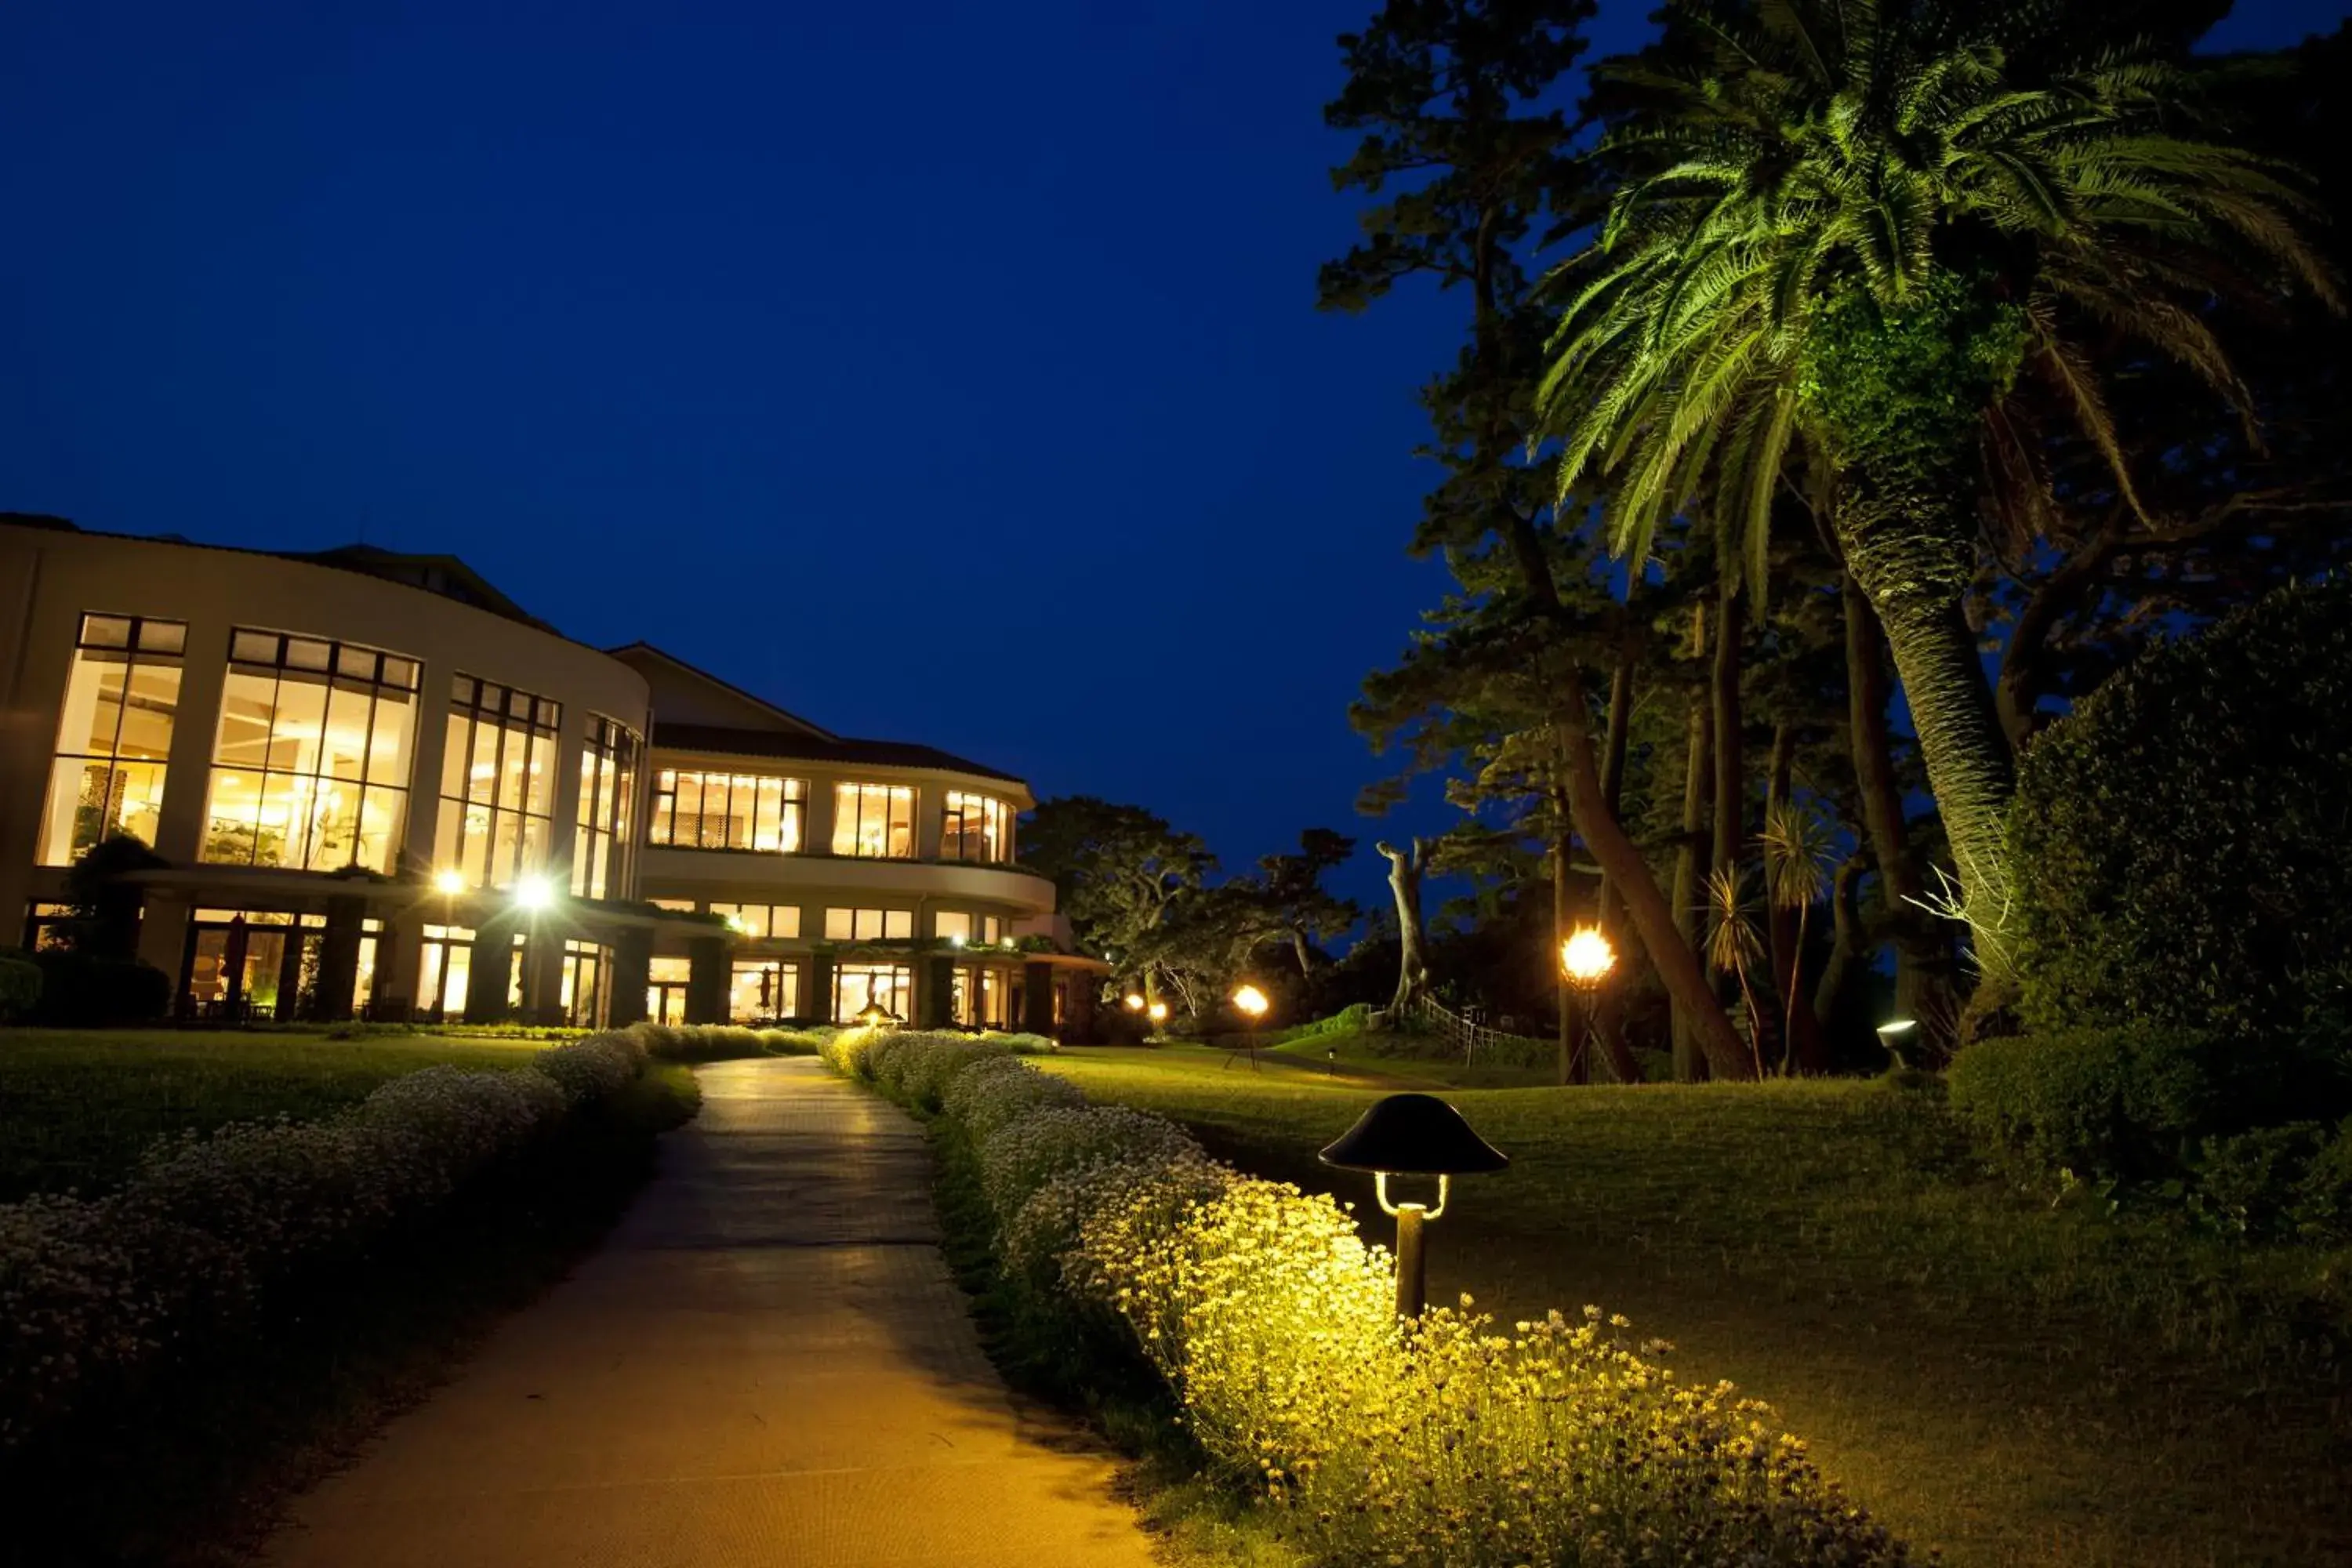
{"x":133,"y":653}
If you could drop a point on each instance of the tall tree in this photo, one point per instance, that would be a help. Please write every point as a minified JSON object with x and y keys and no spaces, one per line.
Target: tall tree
{"x":1120,"y":871}
{"x":1838,"y":226}
{"x":1468,"y":164}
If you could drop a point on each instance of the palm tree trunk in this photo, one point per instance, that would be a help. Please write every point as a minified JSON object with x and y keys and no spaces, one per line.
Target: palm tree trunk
{"x":1914,"y":573}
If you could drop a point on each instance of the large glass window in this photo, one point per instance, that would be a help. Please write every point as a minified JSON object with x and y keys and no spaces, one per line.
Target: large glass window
{"x":975,"y":828}
{"x":667,"y":981}
{"x":874,"y":820}
{"x":764,"y":990}
{"x":695,"y":810}
{"x":586,"y":966}
{"x":498,"y":783}
{"x":114,"y":737}
{"x":311,"y":766}
{"x":601,"y":845}
{"x":868,"y":925}
{"x":448,"y":963}
{"x":856,"y":986}
{"x":760,"y":921}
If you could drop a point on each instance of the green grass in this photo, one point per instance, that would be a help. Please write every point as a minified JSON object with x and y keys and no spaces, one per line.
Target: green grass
{"x":78,"y":1107}
{"x":2005,"y":1380}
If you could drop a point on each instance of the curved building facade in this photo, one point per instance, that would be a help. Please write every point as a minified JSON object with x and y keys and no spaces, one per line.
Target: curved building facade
{"x":372,"y":785}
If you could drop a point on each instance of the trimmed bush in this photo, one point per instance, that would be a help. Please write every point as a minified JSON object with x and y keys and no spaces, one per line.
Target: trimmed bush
{"x":2179,"y":844}
{"x":82,"y":989}
{"x":95,"y":1291}
{"x":1436,"y":1444}
{"x":723,"y":1042}
{"x":20,"y":987}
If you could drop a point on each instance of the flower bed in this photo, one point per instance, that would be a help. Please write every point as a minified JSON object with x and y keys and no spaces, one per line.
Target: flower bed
{"x":96,"y":1292}
{"x":1272,"y":1325}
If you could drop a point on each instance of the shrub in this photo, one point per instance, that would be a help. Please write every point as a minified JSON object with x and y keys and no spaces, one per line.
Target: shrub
{"x":1436,"y":1444}
{"x":94,"y":1292}
{"x":80,"y":989}
{"x":20,"y":985}
{"x":1022,"y":1044}
{"x":2134,"y":1102}
{"x":2178,"y":842}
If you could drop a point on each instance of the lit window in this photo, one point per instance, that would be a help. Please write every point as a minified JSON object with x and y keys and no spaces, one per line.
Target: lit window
{"x":666,"y":988}
{"x":693,"y":810}
{"x":759,"y":992}
{"x":974,"y":828}
{"x":857,"y":987}
{"x":603,"y":848}
{"x":311,"y":766}
{"x":992,"y":930}
{"x":874,"y":821}
{"x":498,"y":783}
{"x":869,"y":925}
{"x":952,"y":925}
{"x":684,"y":906}
{"x":761,"y":921}
{"x":585,"y":965}
{"x":114,"y":737}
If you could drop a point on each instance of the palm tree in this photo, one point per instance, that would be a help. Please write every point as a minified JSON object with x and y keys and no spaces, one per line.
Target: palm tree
{"x":1838,"y":236}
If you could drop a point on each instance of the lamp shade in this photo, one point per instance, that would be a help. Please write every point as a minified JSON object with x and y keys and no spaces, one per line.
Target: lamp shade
{"x":1414,"y":1134}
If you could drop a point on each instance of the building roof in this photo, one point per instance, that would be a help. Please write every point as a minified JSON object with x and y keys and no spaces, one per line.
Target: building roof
{"x":665,"y":670}
{"x":810,"y":748}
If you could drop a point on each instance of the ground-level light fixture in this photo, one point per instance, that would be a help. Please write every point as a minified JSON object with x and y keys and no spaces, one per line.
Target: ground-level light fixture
{"x":1586,"y":959}
{"x":873,"y":1015}
{"x":1897,"y":1033}
{"x":1157,"y":1011}
{"x":1412,"y":1135}
{"x":450,"y":884}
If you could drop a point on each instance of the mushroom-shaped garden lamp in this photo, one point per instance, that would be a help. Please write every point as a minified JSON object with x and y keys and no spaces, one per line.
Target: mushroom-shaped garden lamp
{"x":1412,"y":1135}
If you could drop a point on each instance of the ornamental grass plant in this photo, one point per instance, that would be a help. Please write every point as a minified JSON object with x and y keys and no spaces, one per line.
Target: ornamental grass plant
{"x":1360,"y":1439}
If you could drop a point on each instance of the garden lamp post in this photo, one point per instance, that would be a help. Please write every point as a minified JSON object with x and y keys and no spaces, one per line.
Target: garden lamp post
{"x":1251,"y":1002}
{"x":1586,"y":960}
{"x":873,"y":1015}
{"x":1412,"y":1135}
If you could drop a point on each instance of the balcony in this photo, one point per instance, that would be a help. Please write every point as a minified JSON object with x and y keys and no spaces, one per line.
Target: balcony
{"x":666,"y":872}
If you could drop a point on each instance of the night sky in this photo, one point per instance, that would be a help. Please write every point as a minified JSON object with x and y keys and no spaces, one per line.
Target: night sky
{"x":944,"y":372}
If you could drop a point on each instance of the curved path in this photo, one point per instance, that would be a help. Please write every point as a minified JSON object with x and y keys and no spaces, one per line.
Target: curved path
{"x":767,"y":1363}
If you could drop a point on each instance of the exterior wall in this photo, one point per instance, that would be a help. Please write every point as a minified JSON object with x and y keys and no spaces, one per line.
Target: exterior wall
{"x":50,"y":578}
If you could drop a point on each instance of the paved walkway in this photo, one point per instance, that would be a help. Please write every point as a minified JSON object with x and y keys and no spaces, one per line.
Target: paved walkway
{"x":768,"y":1362}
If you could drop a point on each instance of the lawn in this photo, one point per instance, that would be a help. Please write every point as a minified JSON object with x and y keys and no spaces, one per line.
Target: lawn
{"x":2003,"y":1380}
{"x":78,"y":1107}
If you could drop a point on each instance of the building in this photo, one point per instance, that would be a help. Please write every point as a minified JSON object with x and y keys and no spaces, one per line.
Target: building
{"x":376,"y":787}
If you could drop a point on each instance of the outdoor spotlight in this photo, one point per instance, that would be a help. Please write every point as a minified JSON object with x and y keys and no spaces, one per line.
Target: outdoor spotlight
{"x":956,"y":939}
{"x":1157,"y":1011}
{"x":534,"y":894}
{"x":1412,"y":1135}
{"x":735,"y":924}
{"x":449,"y":883}
{"x":1894,"y":1034}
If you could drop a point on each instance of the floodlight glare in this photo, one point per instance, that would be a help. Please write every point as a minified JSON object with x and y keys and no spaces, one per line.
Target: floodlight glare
{"x":449,"y":881}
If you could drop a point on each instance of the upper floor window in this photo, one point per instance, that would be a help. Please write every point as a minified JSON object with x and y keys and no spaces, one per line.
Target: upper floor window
{"x":874,"y":820}
{"x":114,"y":737}
{"x":962,"y":927}
{"x":603,"y":848}
{"x":868,"y":925}
{"x":498,"y":783}
{"x":975,"y":828}
{"x":311,"y":766}
{"x":693,"y":810}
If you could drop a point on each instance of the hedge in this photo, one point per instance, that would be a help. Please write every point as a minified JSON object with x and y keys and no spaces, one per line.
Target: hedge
{"x":2179,"y":844}
{"x":95,"y":1292}
{"x":1447,"y":1441}
{"x":20,"y":985}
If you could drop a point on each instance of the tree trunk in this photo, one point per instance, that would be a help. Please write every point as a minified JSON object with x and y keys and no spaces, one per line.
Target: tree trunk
{"x":1562,"y":922}
{"x":1690,"y":1062}
{"x":1609,"y":913}
{"x":1730,"y":785}
{"x":1653,"y":918}
{"x":1303,"y":953}
{"x":1413,"y":974}
{"x":1923,"y":961}
{"x":1915,"y":571}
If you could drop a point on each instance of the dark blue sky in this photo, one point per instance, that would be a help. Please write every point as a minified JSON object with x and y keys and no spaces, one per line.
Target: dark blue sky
{"x":946,"y":373}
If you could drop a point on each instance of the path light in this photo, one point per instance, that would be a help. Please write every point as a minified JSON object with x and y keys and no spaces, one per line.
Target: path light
{"x":1412,"y":1135}
{"x":1251,"y":1002}
{"x":1896,"y":1035}
{"x":873,"y":1015}
{"x":1585,"y":961}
